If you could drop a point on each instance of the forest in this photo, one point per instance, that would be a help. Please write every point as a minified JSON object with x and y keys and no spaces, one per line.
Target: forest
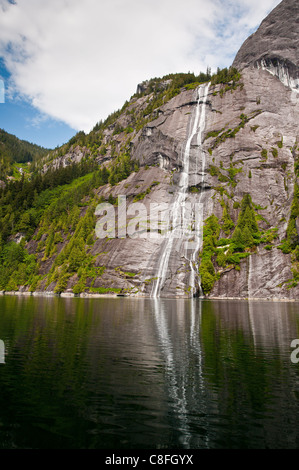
{"x":14,"y":150}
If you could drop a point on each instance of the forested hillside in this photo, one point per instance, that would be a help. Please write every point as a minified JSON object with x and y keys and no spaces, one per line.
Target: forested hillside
{"x":244,"y":141}
{"x":50,"y":207}
{"x":15,"y":154}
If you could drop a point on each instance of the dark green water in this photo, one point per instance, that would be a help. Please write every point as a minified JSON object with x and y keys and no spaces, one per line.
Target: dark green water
{"x":141,"y":373}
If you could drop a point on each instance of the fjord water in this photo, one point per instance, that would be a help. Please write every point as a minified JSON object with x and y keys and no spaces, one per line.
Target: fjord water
{"x":148,"y":373}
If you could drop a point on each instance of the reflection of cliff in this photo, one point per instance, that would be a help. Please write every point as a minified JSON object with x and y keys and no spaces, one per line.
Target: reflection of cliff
{"x":148,"y":373}
{"x":267,"y":324}
{"x":246,"y":350}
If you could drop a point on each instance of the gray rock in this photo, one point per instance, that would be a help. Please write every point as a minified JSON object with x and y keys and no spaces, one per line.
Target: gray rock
{"x":275,"y":45}
{"x":258,"y":158}
{"x":160,"y":145}
{"x":75,"y":155}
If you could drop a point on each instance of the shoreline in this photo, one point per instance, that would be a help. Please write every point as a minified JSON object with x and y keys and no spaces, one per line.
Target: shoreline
{"x":71,"y":295}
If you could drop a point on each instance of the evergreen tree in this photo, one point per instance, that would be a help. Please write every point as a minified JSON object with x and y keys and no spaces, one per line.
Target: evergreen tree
{"x":247,"y":215}
{"x":221,"y":259}
{"x":247,"y":237}
{"x":226,"y":220}
{"x":237,"y":239}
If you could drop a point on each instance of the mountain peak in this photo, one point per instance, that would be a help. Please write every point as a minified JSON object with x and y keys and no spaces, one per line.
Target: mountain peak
{"x":275,"y":45}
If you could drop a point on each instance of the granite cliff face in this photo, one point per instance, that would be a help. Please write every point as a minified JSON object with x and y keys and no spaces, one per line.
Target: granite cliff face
{"x":275,"y":45}
{"x":265,"y":150}
{"x":250,"y":145}
{"x":269,"y":180}
{"x":201,"y":154}
{"x":160,"y":147}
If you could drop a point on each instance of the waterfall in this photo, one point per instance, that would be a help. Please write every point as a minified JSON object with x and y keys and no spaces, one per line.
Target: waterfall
{"x":178,"y":212}
{"x":200,"y":156}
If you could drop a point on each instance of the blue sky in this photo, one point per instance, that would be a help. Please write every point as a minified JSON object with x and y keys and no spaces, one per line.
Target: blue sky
{"x":67,"y":64}
{"x":19,"y":117}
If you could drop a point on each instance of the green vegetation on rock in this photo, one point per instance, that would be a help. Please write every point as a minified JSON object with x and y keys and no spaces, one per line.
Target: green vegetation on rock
{"x":15,"y":153}
{"x":219,"y":254}
{"x":290,"y":245}
{"x":17,"y":266}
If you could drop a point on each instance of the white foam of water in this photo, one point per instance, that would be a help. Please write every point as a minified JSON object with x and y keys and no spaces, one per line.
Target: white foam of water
{"x":179,"y":205}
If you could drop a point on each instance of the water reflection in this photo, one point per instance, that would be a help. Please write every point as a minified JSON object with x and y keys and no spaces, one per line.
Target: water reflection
{"x":175,"y":377}
{"x":148,"y":373}
{"x":178,"y":327}
{"x":269,"y":324}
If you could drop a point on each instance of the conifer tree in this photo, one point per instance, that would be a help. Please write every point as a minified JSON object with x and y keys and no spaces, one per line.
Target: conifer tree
{"x":247,"y":237}
{"x":237,"y":239}
{"x":247,"y":216}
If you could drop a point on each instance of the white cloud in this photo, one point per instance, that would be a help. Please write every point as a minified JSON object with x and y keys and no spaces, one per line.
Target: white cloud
{"x":79,"y":61}
{"x":2,"y":93}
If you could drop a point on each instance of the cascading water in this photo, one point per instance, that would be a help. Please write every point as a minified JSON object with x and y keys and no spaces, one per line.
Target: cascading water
{"x":200,"y":156}
{"x":179,"y":229}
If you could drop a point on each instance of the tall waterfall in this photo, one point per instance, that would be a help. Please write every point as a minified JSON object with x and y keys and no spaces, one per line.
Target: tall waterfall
{"x":180,"y":223}
{"x":201,"y":157}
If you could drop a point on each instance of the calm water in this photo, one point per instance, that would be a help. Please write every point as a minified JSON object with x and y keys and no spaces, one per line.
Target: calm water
{"x":141,"y":373}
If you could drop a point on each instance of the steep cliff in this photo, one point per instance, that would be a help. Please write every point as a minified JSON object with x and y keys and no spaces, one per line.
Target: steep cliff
{"x":265,"y":151}
{"x":267,"y":148}
{"x":201,"y":178}
{"x":248,"y":145}
{"x":275,"y":45}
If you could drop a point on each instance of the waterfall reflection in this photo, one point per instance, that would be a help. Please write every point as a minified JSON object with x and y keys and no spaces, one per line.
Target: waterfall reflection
{"x":178,"y":328}
{"x":218,"y":353}
{"x":158,"y":373}
{"x":175,"y":378}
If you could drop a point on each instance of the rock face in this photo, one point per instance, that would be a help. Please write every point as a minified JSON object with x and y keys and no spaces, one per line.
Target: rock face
{"x":74,"y":156}
{"x":275,"y":45}
{"x":202,"y":152}
{"x":271,"y":126}
{"x":262,"y":151}
{"x":162,"y":263}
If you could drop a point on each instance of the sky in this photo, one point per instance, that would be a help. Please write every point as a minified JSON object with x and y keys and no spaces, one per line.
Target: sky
{"x":67,"y":64}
